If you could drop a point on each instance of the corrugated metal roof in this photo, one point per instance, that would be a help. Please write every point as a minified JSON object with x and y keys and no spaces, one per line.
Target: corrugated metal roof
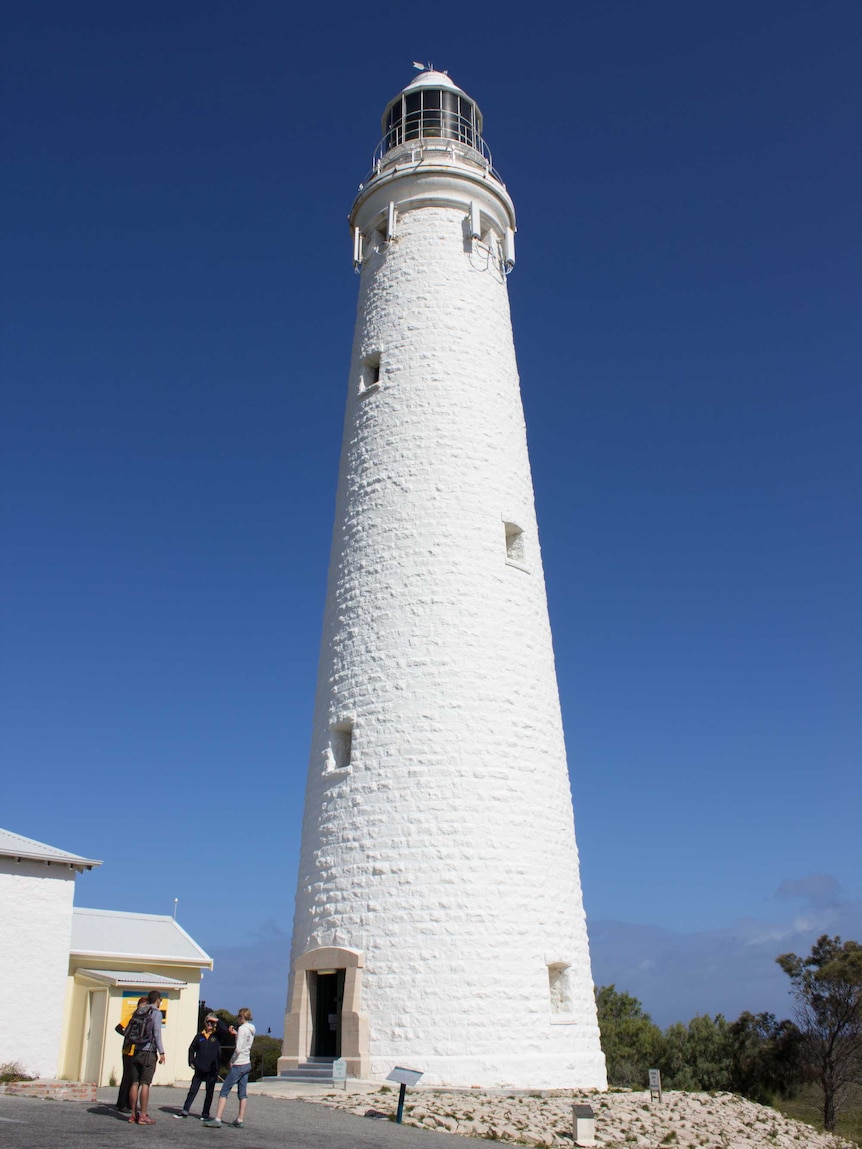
{"x":140,"y":937}
{"x":17,"y":846}
{"x":138,"y":979}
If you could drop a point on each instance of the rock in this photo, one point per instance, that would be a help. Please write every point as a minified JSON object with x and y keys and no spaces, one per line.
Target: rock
{"x":699,"y":1120}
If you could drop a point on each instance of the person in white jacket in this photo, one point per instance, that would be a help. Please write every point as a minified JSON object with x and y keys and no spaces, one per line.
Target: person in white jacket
{"x":240,"y":1068}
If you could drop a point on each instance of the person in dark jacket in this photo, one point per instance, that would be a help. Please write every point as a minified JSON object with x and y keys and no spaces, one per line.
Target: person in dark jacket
{"x":204,"y":1056}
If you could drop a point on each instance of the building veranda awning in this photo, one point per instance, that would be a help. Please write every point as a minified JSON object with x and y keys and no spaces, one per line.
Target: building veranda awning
{"x":136,"y":979}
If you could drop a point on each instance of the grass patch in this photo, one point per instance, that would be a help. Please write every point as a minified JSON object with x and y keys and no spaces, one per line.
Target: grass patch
{"x":12,"y":1071}
{"x":806,"y":1107}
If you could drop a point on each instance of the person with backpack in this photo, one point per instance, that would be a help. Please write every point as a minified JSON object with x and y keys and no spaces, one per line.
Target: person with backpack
{"x":144,"y":1031}
{"x":240,"y":1068}
{"x":204,"y":1058}
{"x":128,"y":1050}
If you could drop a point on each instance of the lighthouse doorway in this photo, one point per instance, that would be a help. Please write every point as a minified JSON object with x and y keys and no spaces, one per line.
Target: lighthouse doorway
{"x":328,"y":997}
{"x":307,"y":1026}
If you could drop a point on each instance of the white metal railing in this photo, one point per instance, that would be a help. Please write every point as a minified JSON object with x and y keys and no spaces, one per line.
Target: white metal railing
{"x":394,"y":147}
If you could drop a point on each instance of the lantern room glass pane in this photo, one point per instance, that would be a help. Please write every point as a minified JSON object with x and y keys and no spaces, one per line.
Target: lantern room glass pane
{"x":432,"y":123}
{"x":394,"y":125}
{"x":412,"y":115}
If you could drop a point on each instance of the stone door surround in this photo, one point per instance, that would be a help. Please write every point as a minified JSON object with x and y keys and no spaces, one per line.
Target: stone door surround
{"x":298,"y":1019}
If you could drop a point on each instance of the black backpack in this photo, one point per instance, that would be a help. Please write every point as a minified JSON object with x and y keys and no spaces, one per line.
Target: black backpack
{"x":141,"y":1027}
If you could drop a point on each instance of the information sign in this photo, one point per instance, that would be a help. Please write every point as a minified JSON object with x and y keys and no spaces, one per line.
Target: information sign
{"x":655,"y":1085}
{"x":404,"y":1077}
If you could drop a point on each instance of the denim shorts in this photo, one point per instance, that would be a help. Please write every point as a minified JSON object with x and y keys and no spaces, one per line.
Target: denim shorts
{"x":237,"y":1076}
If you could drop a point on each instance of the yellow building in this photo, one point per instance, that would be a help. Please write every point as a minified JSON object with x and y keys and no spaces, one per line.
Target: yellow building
{"x":68,"y":976}
{"x":115,"y":958}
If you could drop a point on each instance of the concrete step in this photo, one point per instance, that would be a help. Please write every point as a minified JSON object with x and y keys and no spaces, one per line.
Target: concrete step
{"x":315,"y":1069}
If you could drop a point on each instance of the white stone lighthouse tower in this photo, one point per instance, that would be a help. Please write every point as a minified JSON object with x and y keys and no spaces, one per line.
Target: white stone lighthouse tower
{"x":439,"y":921}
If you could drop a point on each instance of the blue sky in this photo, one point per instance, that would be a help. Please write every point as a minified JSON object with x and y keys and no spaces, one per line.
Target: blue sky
{"x":178,"y":314}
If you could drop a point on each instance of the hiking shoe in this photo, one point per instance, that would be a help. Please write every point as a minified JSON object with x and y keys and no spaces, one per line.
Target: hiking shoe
{"x":213,"y":1123}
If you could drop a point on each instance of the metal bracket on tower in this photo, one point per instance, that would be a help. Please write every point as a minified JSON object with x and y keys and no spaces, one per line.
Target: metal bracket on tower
{"x":357,"y":249}
{"x":475,"y":221}
{"x":509,"y":250}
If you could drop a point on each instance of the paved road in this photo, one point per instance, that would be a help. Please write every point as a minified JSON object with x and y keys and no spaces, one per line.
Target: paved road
{"x":273,"y":1123}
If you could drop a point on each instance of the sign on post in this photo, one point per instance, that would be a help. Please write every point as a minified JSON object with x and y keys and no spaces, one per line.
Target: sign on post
{"x":404,"y":1077}
{"x":583,"y":1125}
{"x":655,"y":1085}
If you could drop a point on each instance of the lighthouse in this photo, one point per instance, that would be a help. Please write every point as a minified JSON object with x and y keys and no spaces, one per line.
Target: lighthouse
{"x":439,"y":922}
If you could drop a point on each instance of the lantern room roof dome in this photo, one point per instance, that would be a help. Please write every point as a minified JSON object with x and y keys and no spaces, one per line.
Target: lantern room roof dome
{"x":432,"y":79}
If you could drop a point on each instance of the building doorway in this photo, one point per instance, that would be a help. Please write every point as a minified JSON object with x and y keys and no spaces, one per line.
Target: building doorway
{"x":94,"y":1038}
{"x":301,"y":1024}
{"x":328,"y":997}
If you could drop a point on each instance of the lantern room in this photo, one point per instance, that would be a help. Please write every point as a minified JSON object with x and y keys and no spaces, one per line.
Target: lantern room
{"x":431,"y":107}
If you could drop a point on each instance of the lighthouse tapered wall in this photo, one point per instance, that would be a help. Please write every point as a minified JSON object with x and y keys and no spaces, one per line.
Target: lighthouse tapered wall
{"x":439,"y":920}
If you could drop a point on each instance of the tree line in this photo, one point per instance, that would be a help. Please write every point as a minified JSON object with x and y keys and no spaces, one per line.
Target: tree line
{"x":265,"y":1050}
{"x":757,"y":1055}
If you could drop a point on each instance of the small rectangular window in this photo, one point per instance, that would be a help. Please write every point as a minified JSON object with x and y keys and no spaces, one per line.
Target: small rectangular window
{"x":369,"y":374}
{"x":515,"y":551}
{"x":559,"y":988}
{"x":339,"y":752}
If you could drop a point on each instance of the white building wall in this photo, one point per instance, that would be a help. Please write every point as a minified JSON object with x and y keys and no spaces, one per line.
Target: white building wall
{"x":36,"y":911}
{"x":445,"y":851}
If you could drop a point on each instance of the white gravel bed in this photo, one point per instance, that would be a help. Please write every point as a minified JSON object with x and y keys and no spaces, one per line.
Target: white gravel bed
{"x":622,"y":1120}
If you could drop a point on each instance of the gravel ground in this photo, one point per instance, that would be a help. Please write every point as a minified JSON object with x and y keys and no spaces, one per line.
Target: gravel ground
{"x":624,"y":1120}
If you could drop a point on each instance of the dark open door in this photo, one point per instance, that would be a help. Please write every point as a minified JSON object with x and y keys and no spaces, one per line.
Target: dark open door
{"x":326,"y":1039}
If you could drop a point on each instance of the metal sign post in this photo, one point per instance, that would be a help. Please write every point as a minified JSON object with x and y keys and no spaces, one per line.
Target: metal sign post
{"x":655,"y":1085}
{"x":404,"y":1077}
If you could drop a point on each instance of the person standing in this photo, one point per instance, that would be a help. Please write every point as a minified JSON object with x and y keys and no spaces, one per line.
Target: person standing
{"x":204,"y":1056}
{"x":240,"y":1068}
{"x":148,"y":1050}
{"x":126,"y":1079}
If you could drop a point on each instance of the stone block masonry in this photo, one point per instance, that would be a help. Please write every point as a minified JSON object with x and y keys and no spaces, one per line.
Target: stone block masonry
{"x":438,"y":841}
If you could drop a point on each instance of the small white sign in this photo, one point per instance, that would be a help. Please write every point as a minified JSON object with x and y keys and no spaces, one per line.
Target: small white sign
{"x":655,"y":1085}
{"x":404,"y":1076}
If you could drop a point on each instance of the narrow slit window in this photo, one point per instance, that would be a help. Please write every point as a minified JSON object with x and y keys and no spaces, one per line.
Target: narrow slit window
{"x":340,"y":752}
{"x":559,"y":988}
{"x":369,"y":375}
{"x":515,"y":544}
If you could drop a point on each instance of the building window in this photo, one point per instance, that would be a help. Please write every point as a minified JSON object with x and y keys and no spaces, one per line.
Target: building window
{"x":339,"y":752}
{"x":369,"y":374}
{"x":515,"y":552}
{"x":559,"y":987}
